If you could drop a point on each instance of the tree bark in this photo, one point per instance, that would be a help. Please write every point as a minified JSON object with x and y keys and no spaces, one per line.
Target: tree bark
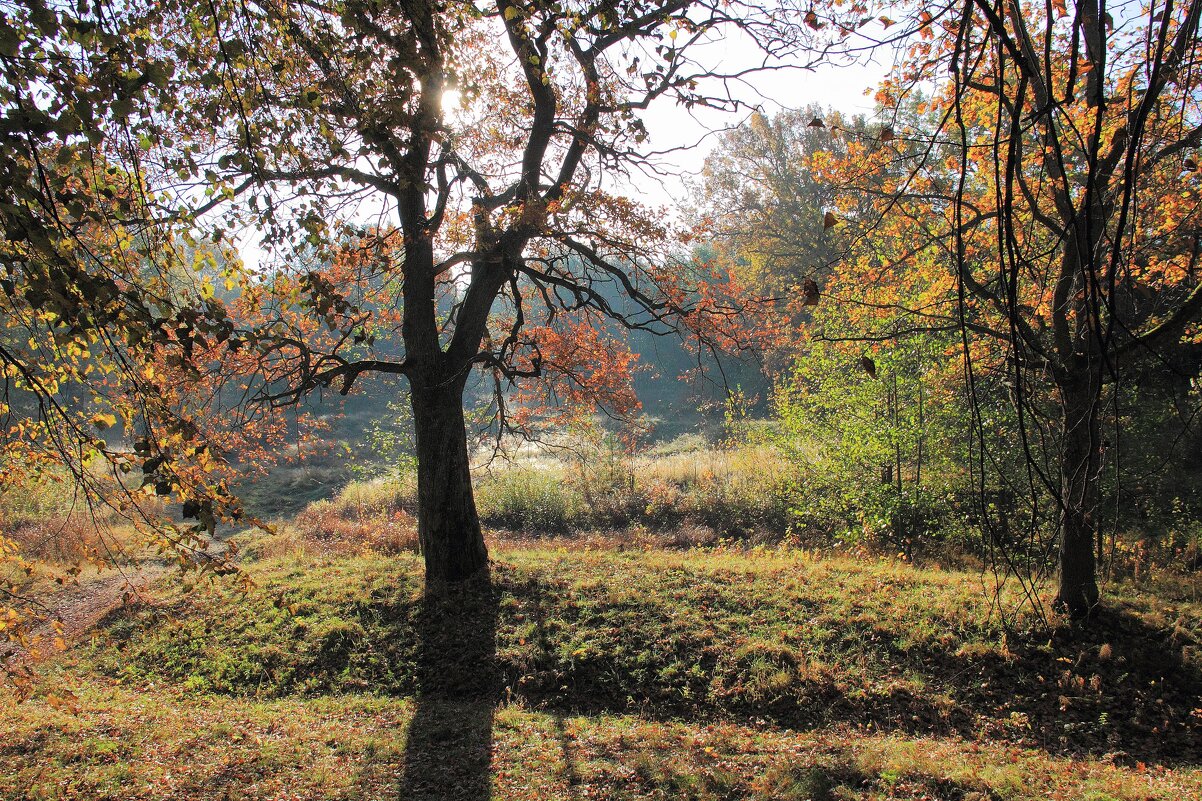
{"x":1080,"y":462}
{"x":447,"y":524}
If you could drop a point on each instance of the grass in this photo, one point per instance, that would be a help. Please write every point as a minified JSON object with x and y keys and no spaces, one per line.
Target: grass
{"x":51,"y":526}
{"x":160,"y":744}
{"x":703,"y":674}
{"x":711,"y":492}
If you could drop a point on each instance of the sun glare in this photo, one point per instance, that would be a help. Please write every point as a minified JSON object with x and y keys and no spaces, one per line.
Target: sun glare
{"x":451,"y":99}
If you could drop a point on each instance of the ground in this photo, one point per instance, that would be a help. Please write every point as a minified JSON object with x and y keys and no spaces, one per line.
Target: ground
{"x":705,"y":674}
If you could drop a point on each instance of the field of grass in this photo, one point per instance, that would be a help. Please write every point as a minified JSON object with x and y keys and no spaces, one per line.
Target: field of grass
{"x":597,"y":673}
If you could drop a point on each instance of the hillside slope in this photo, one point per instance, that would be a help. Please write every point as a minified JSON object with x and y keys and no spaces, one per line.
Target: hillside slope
{"x":704,"y":674}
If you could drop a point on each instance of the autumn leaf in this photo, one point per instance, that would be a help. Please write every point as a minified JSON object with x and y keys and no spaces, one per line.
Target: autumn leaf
{"x":886,"y":23}
{"x":104,"y":421}
{"x":817,"y":123}
{"x":887,"y":134}
{"x":829,"y":220}
{"x":869,"y":365}
{"x":63,"y":700}
{"x":811,"y":19}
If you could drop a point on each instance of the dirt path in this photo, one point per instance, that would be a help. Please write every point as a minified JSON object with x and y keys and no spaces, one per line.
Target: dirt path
{"x":80,"y":606}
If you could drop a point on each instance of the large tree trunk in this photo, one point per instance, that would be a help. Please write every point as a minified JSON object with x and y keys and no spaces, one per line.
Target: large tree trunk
{"x":447,"y":524}
{"x":1080,"y":462}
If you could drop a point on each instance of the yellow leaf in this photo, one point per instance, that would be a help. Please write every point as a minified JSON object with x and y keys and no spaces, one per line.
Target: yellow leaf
{"x":104,"y":420}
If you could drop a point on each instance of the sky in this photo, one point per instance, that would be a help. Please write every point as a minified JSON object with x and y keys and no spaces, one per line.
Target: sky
{"x":847,"y":88}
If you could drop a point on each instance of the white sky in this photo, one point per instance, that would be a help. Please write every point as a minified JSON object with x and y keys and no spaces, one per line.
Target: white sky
{"x":847,"y":88}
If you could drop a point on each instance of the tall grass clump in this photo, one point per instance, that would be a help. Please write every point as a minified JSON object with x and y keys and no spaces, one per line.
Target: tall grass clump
{"x":523,"y":498}
{"x":51,"y":521}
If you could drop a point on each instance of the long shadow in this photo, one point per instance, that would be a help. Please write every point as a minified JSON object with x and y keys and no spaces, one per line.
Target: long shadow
{"x":1119,"y":686}
{"x":448,"y":750}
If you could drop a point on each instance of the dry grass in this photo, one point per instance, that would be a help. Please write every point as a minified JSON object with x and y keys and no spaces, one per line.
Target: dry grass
{"x":686,"y":497}
{"x":364,"y":518}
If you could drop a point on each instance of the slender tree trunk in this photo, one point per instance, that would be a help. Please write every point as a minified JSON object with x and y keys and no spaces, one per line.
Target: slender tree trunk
{"x":447,"y":524}
{"x":1079,"y":466}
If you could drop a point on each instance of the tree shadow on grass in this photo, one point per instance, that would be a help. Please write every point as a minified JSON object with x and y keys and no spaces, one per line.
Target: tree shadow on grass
{"x":448,"y":749}
{"x":1119,"y":686}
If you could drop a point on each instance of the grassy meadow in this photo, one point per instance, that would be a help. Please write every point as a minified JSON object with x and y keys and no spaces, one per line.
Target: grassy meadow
{"x":586,"y":668}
